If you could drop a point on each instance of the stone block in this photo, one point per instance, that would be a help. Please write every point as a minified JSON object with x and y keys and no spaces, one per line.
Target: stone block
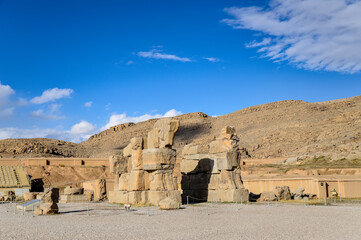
{"x":154,"y":197}
{"x":136,"y":159}
{"x":267,"y":196}
{"x":226,"y":180}
{"x":190,"y":149}
{"x":66,"y":198}
{"x":161,"y":180}
{"x":123,"y":182}
{"x":227,"y":160}
{"x":169,"y":204}
{"x":219,"y":146}
{"x":136,"y":181}
{"x":154,"y":158}
{"x":189,"y":166}
{"x":175,"y":194}
{"x":213,"y":196}
{"x":153,"y":138}
{"x":233,"y":195}
{"x":73,"y":190}
{"x":135,"y":197}
{"x":168,"y":128}
{"x":29,"y":196}
{"x":118,"y":197}
{"x":47,"y":208}
{"x":213,"y":181}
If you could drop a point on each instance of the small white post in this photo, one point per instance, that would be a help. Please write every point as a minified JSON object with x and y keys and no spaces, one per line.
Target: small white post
{"x":148,"y":210}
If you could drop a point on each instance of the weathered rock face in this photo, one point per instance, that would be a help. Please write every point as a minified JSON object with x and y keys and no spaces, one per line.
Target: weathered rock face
{"x":283,"y":192}
{"x":148,"y":175}
{"x":215,"y":176}
{"x":169,"y":204}
{"x":298,"y":193}
{"x":50,"y":199}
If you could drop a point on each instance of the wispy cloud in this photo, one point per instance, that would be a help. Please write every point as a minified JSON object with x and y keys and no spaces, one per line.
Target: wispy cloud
{"x":315,"y":35}
{"x":43,"y":115}
{"x":158,"y":54}
{"x":212,"y":59}
{"x":51,"y":95}
{"x":116,"y":119}
{"x":88,"y":104}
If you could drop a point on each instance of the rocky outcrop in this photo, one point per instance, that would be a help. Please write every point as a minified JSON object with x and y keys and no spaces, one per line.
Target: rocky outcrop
{"x":215,"y":176}
{"x":147,"y":177}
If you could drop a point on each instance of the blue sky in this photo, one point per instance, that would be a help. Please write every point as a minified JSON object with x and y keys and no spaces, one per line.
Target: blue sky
{"x":69,"y":69}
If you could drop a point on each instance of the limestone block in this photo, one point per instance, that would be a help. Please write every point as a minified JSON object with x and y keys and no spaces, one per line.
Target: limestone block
{"x":283,"y":192}
{"x":29,"y":196}
{"x":190,"y":149}
{"x":67,"y":198}
{"x":154,"y":197}
{"x":237,"y":178}
{"x":226,"y":180}
{"x":129,"y":163}
{"x":127,"y":151}
{"x":51,"y":195}
{"x":219,"y":146}
{"x":228,"y":132}
{"x":168,"y":128}
{"x":213,"y":196}
{"x":146,"y":180}
{"x":135,"y":197}
{"x":153,"y":138}
{"x":136,"y":143}
{"x":169,"y":204}
{"x":233,"y":195}
{"x":118,"y":197}
{"x":117,"y":164}
{"x":73,"y":190}
{"x":267,"y":196}
{"x":161,"y":180}
{"x":154,"y":158}
{"x":47,"y":208}
{"x":175,"y":194}
{"x":227,"y":160}
{"x":136,"y":180}
{"x":100,"y":192}
{"x":123,"y":182}
{"x":213,"y":181}
{"x":136,"y":159}
{"x":189,"y":166}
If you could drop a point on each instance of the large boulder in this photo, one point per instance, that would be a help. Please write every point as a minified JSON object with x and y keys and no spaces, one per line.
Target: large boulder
{"x":29,"y":196}
{"x":169,"y":204}
{"x":47,"y":208}
{"x":298,"y":193}
{"x":73,"y":190}
{"x":283,"y":192}
{"x":267,"y":196}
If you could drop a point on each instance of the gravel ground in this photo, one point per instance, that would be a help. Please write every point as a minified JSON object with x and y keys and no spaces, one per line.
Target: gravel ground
{"x":217,"y":221}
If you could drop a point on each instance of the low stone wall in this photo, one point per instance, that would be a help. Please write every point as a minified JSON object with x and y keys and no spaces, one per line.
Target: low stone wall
{"x":90,"y":162}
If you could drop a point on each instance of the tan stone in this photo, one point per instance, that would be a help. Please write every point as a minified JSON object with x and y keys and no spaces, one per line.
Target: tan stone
{"x":136,"y":181}
{"x":213,"y":181}
{"x":51,"y":195}
{"x":154,"y":197}
{"x":136,"y":159}
{"x":118,"y":197}
{"x":227,"y":160}
{"x":117,"y":164}
{"x":162,"y":180}
{"x":29,"y":196}
{"x":100,"y":192}
{"x":46,"y":208}
{"x":175,"y":194}
{"x":154,"y":158}
{"x":190,"y":149}
{"x":213,"y":196}
{"x":123,"y":182}
{"x":169,"y":204}
{"x":153,"y":138}
{"x":73,"y":190}
{"x":267,"y":196}
{"x":136,"y":143}
{"x":226,"y":180}
{"x":228,"y":132}
{"x":138,"y":197}
{"x":188,"y":166}
{"x":168,"y":127}
{"x":233,"y":195}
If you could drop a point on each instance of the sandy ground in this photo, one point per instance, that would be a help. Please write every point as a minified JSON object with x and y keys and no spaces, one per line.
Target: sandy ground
{"x":217,"y":221}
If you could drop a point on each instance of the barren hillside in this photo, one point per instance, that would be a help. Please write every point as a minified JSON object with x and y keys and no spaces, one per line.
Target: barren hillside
{"x":279,"y":129}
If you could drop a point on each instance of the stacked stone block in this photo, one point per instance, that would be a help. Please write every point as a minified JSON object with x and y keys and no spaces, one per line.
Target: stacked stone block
{"x":147,"y":176}
{"x":215,"y":176}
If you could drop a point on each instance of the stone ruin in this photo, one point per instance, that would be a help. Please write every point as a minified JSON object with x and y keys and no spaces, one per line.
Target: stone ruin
{"x":145,"y":170}
{"x":50,"y":199}
{"x":215,"y":176}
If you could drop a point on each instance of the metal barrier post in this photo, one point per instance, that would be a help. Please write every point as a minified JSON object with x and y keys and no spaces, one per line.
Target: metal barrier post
{"x":148,"y":210}
{"x":268,"y":198}
{"x":304,"y":201}
{"x":276,"y":201}
{"x":247,"y":201}
{"x":87,"y":209}
{"x":33,"y":210}
{"x":187,"y":200}
{"x":325,"y":201}
{"x":15,"y":208}
{"x":207,"y":208}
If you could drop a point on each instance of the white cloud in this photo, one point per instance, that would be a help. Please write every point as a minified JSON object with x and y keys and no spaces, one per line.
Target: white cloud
{"x":157,"y":54}
{"x":53,"y":94}
{"x":88,"y":104}
{"x":315,"y":35}
{"x":43,"y":115}
{"x":116,"y":119}
{"x":5,"y":92}
{"x":129,"y":62}
{"x":22,"y":102}
{"x":7,"y":112}
{"x":212,"y":59}
{"x":78,"y":133}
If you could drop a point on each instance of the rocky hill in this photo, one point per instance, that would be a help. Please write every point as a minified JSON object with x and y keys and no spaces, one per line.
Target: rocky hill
{"x":280,"y":129}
